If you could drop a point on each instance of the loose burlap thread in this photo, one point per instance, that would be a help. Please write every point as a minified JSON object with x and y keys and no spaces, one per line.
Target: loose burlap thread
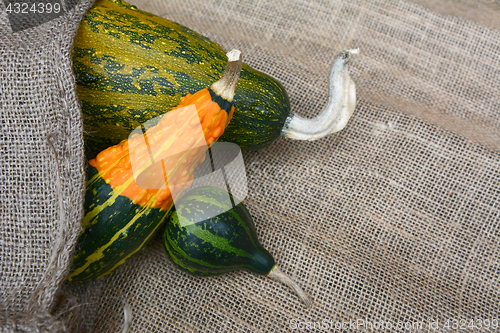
{"x":394,"y":219}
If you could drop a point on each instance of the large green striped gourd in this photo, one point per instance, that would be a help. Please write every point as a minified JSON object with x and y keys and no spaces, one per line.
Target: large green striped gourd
{"x":208,"y":235}
{"x":132,"y":66}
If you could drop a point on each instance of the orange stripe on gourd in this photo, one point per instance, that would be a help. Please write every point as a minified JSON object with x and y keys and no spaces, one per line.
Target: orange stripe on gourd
{"x":114,"y":163}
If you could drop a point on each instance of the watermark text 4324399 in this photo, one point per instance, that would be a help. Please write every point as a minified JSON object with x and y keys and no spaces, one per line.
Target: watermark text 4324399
{"x":33,"y":8}
{"x":25,"y":14}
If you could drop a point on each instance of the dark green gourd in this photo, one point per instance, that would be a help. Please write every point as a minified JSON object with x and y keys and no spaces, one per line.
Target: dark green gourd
{"x":208,"y":235}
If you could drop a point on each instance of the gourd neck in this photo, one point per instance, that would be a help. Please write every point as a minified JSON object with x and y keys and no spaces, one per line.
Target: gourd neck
{"x":338,"y":110}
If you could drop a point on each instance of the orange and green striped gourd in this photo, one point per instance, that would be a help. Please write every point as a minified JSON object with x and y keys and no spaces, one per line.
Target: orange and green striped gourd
{"x":121,"y":215}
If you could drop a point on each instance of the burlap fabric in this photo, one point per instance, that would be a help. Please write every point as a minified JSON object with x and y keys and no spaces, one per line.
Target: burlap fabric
{"x":41,"y":170}
{"x":393,"y":220}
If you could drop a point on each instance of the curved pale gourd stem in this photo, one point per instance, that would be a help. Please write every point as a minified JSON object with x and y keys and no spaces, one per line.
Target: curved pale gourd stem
{"x":338,"y":110}
{"x":278,"y":275}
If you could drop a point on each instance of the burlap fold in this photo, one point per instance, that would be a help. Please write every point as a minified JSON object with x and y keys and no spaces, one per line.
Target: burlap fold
{"x":41,"y":171}
{"x":393,"y":221}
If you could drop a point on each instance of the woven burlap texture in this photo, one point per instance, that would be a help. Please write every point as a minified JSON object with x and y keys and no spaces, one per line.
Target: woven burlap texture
{"x":394,"y":219}
{"x":41,"y":172}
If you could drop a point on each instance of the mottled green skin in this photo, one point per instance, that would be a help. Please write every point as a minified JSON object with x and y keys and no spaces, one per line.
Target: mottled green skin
{"x":111,"y":221}
{"x":132,"y":66}
{"x":216,"y":245}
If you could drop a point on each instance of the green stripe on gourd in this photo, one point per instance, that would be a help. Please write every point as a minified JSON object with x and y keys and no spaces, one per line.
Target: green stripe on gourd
{"x":207,"y":235}
{"x":221,"y":243}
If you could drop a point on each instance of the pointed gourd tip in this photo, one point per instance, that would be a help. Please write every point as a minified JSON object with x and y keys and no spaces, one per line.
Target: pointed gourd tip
{"x":279,"y":276}
{"x":353,"y":51}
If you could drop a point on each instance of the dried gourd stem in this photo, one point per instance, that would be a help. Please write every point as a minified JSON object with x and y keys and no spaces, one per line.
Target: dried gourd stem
{"x":226,"y":85}
{"x":278,"y":275}
{"x":338,"y":110}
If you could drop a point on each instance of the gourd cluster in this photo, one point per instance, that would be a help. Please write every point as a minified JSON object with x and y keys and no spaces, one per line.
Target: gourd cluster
{"x":134,"y":69}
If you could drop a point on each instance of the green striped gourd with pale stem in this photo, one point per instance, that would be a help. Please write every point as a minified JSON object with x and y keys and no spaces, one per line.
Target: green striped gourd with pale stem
{"x":132,"y":66}
{"x":211,"y":233}
{"x":121,"y":213}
